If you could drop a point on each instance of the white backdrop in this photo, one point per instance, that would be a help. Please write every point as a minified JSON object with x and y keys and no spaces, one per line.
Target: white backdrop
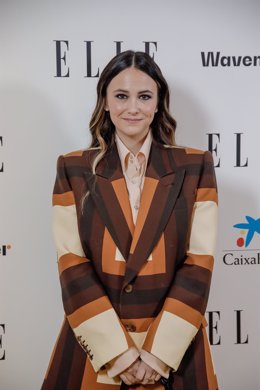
{"x":43,"y":116}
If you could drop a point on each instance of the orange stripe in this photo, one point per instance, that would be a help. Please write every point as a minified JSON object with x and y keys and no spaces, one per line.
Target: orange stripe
{"x":141,"y":324}
{"x":70,"y":260}
{"x":88,"y":373}
{"x":212,"y":379}
{"x":205,"y":261}
{"x":204,"y":194}
{"x":193,"y":151}
{"x":123,"y":198}
{"x":183,"y":311}
{"x":65,"y":199}
{"x":150,"y":185}
{"x":88,"y":311}
{"x":75,"y":153}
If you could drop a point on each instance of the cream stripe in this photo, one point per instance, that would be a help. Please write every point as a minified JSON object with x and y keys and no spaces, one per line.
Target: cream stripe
{"x":102,"y":377}
{"x":65,"y":231}
{"x":204,"y":228}
{"x":138,"y":338}
{"x":172,"y":338}
{"x":119,"y":256}
{"x":102,"y":343}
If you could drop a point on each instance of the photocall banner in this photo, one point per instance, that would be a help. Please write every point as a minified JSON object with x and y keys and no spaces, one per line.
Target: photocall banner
{"x":52,"y":54}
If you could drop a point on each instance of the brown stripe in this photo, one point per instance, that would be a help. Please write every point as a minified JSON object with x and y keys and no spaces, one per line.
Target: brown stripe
{"x":78,"y":361}
{"x":204,"y":261}
{"x":212,"y":380}
{"x":109,"y":264}
{"x":70,"y":260}
{"x":158,"y":263}
{"x":123,"y":198}
{"x":88,"y":311}
{"x":204,"y":194}
{"x":182,"y":294}
{"x":183,"y":311}
{"x":150,"y":185}
{"x":54,"y":349}
{"x":86,"y":290}
{"x":59,"y":370}
{"x":65,"y":199}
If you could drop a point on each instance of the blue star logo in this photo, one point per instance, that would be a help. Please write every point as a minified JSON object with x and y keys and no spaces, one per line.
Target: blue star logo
{"x":253,"y":226}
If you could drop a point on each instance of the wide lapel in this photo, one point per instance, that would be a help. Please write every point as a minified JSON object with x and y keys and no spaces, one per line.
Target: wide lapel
{"x":109,"y":192}
{"x":163,"y":182}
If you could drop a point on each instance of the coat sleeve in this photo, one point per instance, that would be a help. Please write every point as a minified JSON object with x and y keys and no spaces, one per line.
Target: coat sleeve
{"x":183,"y":311}
{"x":88,"y":310}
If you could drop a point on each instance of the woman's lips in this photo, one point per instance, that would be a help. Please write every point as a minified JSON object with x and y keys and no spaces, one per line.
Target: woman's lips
{"x":132,"y":120}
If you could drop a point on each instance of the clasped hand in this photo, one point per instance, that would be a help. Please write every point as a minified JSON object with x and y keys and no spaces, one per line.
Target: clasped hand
{"x":139,"y":372}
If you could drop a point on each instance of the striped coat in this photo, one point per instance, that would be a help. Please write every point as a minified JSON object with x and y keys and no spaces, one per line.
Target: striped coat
{"x":123,"y":285}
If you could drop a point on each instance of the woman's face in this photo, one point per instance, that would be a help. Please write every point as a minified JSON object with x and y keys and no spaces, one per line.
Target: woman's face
{"x":132,"y":98}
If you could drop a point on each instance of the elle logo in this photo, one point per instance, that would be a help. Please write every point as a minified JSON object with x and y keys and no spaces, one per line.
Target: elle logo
{"x":2,"y":332}
{"x":215,"y":337}
{"x":62,"y":56}
{"x":214,"y":142}
{"x":3,"y":249}
{"x":1,"y":163}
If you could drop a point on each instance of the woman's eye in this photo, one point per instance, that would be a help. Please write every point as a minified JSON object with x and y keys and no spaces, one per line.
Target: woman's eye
{"x":121,"y":96}
{"x":144,"y":97}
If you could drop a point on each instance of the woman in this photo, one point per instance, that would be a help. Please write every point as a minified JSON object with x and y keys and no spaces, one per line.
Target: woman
{"x":135,"y":226}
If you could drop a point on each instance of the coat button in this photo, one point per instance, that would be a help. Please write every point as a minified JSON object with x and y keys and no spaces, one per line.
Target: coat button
{"x":128,"y":288}
{"x":130,"y":327}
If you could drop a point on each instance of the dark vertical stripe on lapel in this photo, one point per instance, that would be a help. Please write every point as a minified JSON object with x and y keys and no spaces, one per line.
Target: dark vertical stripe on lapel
{"x":110,"y":211}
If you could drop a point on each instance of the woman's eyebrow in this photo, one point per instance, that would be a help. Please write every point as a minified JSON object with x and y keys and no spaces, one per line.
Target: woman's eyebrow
{"x":146,"y":91}
{"x":121,"y":90}
{"x":125,"y":91}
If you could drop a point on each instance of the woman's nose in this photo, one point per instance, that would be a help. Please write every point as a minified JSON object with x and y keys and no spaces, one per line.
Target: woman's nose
{"x":133,"y":106}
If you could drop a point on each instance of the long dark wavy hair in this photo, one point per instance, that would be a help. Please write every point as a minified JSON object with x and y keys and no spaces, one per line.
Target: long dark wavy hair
{"x":102,"y":128}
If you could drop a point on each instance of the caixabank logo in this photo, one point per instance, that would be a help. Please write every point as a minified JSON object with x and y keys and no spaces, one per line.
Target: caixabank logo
{"x":247,"y":239}
{"x":247,"y":231}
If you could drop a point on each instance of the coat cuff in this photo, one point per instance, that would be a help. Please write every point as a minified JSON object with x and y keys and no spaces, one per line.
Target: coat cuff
{"x":154,"y":362}
{"x":122,"y":362}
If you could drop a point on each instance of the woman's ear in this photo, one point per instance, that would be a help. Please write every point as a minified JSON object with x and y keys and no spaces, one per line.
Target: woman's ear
{"x":106,"y":107}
